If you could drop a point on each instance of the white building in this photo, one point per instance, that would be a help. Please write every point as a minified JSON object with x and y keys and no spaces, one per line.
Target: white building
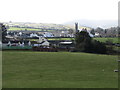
{"x":46,"y":43}
{"x":33,"y":35}
{"x":48,"y":34}
{"x":97,"y":34}
{"x":42,"y":42}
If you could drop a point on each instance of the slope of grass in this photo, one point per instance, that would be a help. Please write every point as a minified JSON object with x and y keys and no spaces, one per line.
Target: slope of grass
{"x":26,"y":69}
{"x":114,"y":40}
{"x":60,"y":38}
{"x":15,"y":29}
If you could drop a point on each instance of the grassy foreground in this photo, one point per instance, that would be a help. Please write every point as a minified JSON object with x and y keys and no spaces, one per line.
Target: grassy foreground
{"x":27,"y":69}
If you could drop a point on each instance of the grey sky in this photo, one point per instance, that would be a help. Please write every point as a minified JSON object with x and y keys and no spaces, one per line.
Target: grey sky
{"x":57,"y":11}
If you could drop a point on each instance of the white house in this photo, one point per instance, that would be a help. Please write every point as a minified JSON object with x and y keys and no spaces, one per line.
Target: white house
{"x":9,"y":43}
{"x":29,"y":43}
{"x":46,"y":43}
{"x":33,"y":35}
{"x":48,"y":34}
{"x":91,"y":35}
{"x":41,"y":39}
{"x":97,"y":34}
{"x":42,"y":42}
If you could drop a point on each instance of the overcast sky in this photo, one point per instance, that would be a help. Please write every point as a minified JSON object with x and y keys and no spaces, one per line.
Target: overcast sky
{"x":57,"y":11}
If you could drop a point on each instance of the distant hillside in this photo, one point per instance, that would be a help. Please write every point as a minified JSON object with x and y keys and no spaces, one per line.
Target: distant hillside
{"x":79,"y":26}
{"x":39,"y":26}
{"x":94,"y":23}
{"x":35,"y":26}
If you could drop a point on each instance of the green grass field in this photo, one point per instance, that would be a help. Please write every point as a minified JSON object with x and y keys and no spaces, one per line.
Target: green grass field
{"x":29,"y":29}
{"x":114,"y":40}
{"x":27,"y":69}
{"x":60,"y":38}
{"x":15,"y":29}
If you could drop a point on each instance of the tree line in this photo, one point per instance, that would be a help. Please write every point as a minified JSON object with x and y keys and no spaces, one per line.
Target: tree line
{"x":85,"y":43}
{"x":110,"y":32}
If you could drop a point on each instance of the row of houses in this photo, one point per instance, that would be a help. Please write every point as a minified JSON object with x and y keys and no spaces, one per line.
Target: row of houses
{"x":40,"y":42}
{"x":23,"y":34}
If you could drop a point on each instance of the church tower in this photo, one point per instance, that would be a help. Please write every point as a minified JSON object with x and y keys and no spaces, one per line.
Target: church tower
{"x":76,"y":27}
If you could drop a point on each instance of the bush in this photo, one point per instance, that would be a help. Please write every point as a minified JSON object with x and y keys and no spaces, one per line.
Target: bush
{"x":98,"y":47}
{"x":85,"y":43}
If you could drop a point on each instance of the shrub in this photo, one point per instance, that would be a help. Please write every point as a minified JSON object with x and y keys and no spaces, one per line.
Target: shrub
{"x":85,"y":43}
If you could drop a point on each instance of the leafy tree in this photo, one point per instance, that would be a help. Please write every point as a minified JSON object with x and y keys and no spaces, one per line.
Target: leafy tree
{"x":3,"y":30}
{"x":92,"y":31}
{"x":99,"y":29}
{"x":85,"y":43}
{"x":105,"y":31}
{"x":98,"y":47}
{"x":71,"y":31}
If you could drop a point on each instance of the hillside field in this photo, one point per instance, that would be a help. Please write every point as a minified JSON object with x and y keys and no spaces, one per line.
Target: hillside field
{"x":114,"y":40}
{"x":29,"y":29}
{"x":28,"y":69}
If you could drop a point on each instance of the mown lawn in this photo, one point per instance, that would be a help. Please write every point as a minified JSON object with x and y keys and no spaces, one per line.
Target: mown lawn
{"x":27,"y":69}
